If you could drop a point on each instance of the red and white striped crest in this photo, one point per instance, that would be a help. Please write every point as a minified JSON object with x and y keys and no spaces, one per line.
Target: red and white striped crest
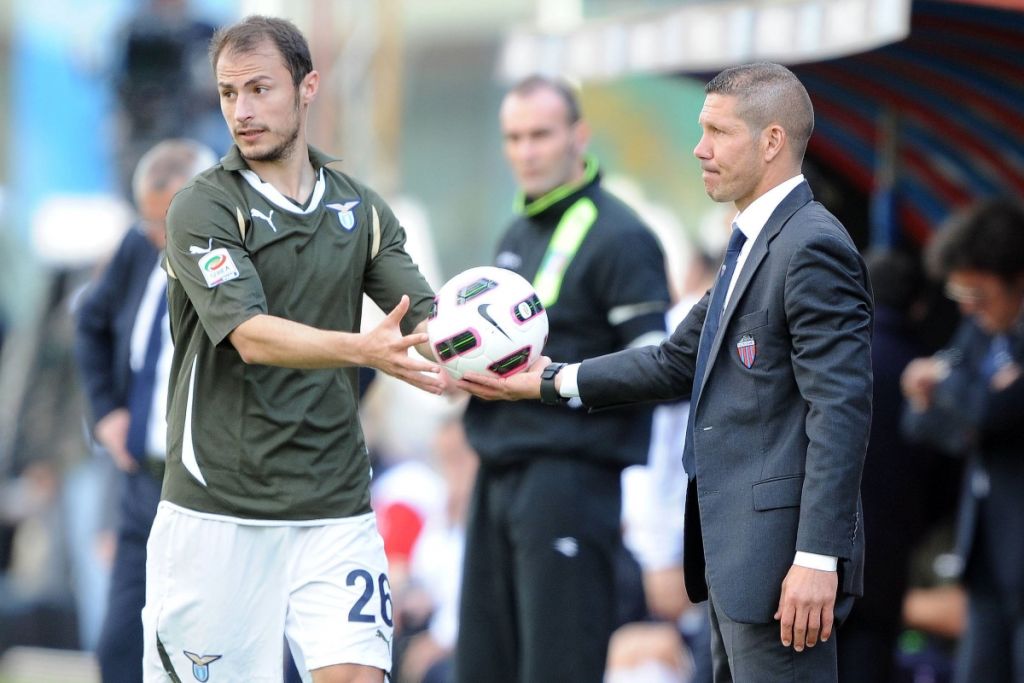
{"x":747,"y":348}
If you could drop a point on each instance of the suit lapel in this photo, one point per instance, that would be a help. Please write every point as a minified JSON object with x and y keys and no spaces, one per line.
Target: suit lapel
{"x":796,"y":199}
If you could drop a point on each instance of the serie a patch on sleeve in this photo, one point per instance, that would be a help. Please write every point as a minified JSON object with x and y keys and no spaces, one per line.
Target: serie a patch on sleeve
{"x":217,"y":267}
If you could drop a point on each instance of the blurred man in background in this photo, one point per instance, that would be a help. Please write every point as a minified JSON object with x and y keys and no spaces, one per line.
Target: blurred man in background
{"x":905,"y":488}
{"x":538,"y":594}
{"x":123,"y":350}
{"x":969,"y":400}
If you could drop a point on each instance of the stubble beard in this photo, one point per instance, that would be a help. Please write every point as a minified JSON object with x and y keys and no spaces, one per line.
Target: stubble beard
{"x":282,"y":151}
{"x":287,"y":146}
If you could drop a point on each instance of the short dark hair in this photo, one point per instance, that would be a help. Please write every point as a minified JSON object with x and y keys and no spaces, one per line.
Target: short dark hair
{"x":560,"y":87}
{"x":986,"y":236}
{"x":769,"y":93}
{"x":248,"y":34}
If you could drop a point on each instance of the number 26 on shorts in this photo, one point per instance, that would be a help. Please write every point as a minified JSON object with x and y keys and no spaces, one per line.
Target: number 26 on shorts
{"x":383,"y":586}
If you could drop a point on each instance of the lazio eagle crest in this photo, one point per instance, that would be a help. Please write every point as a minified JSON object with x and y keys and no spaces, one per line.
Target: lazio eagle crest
{"x":201,"y":665}
{"x":345,"y":215}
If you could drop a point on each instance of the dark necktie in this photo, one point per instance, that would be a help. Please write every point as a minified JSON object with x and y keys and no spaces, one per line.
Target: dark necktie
{"x":708,"y":334}
{"x":140,"y":395}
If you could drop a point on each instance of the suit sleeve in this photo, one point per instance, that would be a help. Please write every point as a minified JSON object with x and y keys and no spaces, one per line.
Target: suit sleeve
{"x":828,"y":310}
{"x":204,"y":230}
{"x":94,"y":335}
{"x":645,"y":374}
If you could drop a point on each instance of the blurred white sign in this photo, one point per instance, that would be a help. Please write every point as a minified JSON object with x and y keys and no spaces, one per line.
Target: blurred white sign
{"x":706,"y":36}
{"x":78,"y":230}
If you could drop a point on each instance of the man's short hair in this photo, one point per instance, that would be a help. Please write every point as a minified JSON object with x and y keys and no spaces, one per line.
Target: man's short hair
{"x":987,"y":236}
{"x":769,"y":93}
{"x":532,"y":84}
{"x":249,"y":34}
{"x":168,"y":162}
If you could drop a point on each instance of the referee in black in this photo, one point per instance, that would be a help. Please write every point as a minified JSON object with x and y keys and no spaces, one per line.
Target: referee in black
{"x":538,"y":594}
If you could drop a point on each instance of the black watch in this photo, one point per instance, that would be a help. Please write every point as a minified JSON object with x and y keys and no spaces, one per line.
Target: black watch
{"x":548,"y":393}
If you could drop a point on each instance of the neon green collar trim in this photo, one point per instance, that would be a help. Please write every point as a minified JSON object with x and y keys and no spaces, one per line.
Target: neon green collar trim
{"x":559,"y":193}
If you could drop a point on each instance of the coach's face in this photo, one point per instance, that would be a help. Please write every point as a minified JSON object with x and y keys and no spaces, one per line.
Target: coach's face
{"x":730,"y":153}
{"x":152,"y":206}
{"x":264,"y":110}
{"x":544,"y":149}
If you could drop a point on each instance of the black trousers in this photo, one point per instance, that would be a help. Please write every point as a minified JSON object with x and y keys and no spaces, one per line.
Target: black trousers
{"x":120,"y":647}
{"x":538,"y":593}
{"x":753,"y":653}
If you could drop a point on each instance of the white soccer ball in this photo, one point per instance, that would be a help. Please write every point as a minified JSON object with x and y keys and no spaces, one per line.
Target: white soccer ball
{"x":487,"y":320}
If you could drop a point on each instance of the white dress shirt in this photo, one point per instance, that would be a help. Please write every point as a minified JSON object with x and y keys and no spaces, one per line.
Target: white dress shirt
{"x":156,"y":436}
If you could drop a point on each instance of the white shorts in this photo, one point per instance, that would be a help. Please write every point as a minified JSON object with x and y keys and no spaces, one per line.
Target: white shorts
{"x":221,"y":596}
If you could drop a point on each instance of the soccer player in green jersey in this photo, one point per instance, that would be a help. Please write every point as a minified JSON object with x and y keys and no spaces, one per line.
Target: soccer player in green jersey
{"x":265,"y":527}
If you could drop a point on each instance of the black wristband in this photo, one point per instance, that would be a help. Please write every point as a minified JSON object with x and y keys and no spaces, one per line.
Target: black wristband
{"x":548,"y":393}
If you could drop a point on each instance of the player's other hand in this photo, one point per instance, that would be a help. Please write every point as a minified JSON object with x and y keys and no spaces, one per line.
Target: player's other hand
{"x":387,"y":350}
{"x":522,"y":385}
{"x":111,"y":432}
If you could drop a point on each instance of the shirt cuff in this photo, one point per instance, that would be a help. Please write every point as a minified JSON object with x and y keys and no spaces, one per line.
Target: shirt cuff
{"x":567,"y":386}
{"x":825,"y":563}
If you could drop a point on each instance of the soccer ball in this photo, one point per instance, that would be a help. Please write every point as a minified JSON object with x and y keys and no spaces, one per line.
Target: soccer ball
{"x":487,"y":320}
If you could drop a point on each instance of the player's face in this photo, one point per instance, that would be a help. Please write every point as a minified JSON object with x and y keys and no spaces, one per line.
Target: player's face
{"x":729,"y":153}
{"x":543,"y":148}
{"x":264,"y":111}
{"x":994,"y":303}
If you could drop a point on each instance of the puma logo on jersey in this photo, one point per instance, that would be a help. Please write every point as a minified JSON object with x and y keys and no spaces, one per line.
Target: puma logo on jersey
{"x":193,"y":249}
{"x":387,"y":641}
{"x":256,"y":213}
{"x":345,"y":215}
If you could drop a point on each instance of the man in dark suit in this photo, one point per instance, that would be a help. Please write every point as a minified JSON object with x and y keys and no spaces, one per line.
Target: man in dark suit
{"x":968,"y":399}
{"x":777,"y":361}
{"x":905,"y":488}
{"x":122,"y":349}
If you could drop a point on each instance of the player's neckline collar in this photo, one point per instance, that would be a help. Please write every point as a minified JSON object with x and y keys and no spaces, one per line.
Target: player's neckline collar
{"x":275,"y":197}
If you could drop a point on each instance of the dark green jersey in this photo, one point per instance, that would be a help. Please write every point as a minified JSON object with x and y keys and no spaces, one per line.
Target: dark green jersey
{"x":260,"y":442}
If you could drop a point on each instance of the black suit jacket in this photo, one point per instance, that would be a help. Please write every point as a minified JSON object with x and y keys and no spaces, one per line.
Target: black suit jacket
{"x":105,"y":320}
{"x":988,"y":426}
{"x":779,"y":446}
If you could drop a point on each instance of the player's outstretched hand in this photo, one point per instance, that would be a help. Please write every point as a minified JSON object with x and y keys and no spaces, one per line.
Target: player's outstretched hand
{"x":522,"y":385}
{"x":388,"y":351}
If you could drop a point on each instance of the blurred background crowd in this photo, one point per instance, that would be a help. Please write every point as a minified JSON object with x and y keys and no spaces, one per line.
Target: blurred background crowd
{"x":918,"y":106}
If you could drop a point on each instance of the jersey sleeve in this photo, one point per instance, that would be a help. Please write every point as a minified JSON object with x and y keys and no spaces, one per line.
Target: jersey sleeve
{"x":206,"y":254}
{"x":391,"y":272}
{"x":635,"y":287}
